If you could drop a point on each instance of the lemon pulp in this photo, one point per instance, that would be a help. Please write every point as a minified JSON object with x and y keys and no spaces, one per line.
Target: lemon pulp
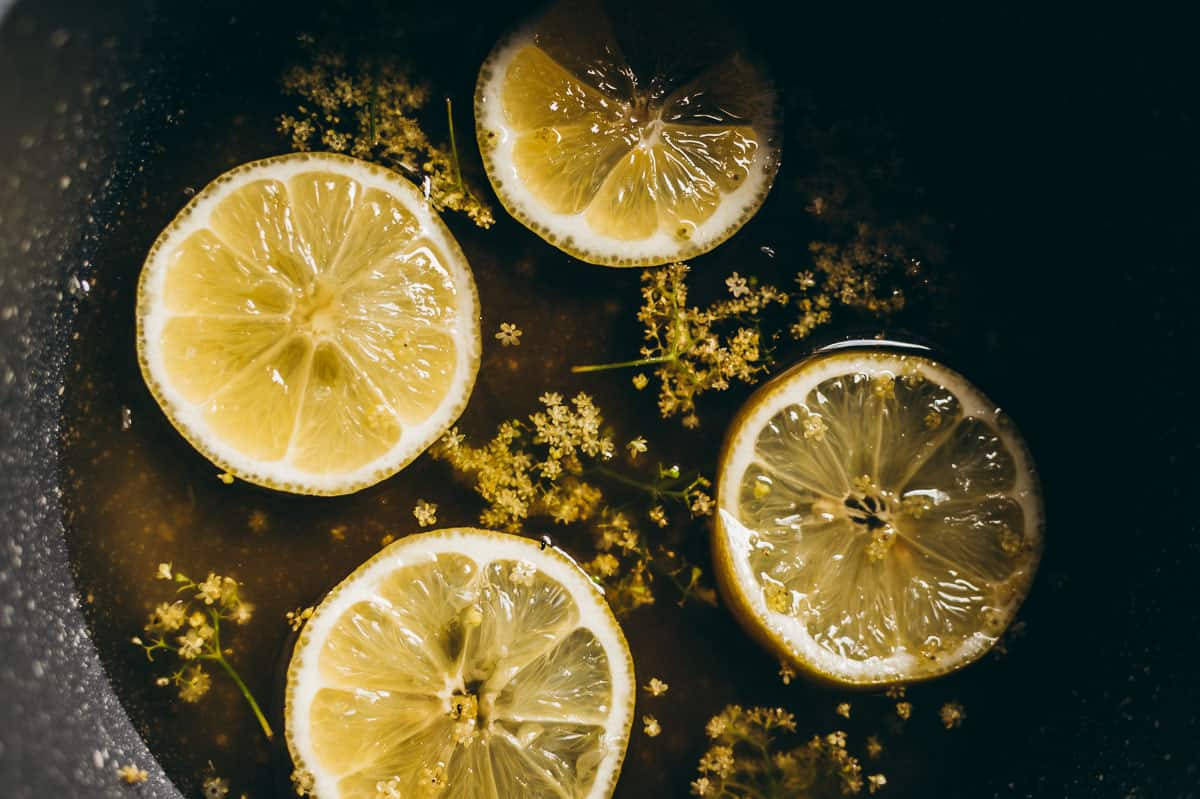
{"x":879,"y":519}
{"x":308,"y":323}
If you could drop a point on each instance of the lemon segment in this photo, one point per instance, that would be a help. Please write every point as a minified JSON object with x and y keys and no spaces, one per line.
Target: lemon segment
{"x":879,"y":519}
{"x":461,"y":663}
{"x":308,"y":324}
{"x":613,"y":174}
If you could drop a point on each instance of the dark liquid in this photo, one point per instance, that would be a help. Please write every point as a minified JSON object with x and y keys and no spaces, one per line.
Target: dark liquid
{"x":142,"y":495}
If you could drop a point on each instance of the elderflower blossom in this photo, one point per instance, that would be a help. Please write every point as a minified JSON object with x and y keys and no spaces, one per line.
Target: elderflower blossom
{"x":786,"y":673}
{"x":242,"y":613}
{"x":194,"y":683}
{"x":215,"y":788}
{"x":522,"y":573}
{"x":296,"y":618}
{"x":509,"y":334}
{"x":167,"y":617}
{"x":210,"y":590}
{"x":874,"y":747}
{"x":737,"y":285}
{"x":651,"y":727}
{"x":656,"y":687}
{"x":303,"y":782}
{"x":131,"y":774}
{"x":702,"y":504}
{"x":952,"y":715}
{"x":425,"y":513}
{"x":751,"y":756}
{"x":370,"y":112}
{"x":636,"y":447}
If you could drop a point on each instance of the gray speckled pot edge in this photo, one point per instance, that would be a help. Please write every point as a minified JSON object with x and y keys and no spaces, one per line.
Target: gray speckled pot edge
{"x":63,"y":731}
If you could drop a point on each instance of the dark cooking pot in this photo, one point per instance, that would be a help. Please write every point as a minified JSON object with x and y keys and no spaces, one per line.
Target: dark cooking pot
{"x":1038,"y":120}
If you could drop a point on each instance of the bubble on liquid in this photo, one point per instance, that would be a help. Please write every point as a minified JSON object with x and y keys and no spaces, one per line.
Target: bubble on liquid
{"x":77,"y":287}
{"x":767,"y":251}
{"x":126,"y":418}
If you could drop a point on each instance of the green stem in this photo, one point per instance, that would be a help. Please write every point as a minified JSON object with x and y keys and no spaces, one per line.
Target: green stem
{"x":258,"y":714}
{"x":600,"y":367}
{"x":454,"y":147}
{"x":219,"y":657}
{"x":745,"y":789}
{"x":686,"y":591}
{"x":372,"y":102}
{"x":649,"y":488}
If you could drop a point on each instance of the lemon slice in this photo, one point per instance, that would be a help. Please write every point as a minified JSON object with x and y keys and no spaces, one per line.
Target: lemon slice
{"x":308,"y":323}
{"x":461,"y":663}
{"x":616,"y":168}
{"x":879,"y":518}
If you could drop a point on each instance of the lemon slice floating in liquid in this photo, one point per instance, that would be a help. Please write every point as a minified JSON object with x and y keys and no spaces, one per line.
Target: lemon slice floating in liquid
{"x":461,"y":663}
{"x":879,"y":518}
{"x":615,"y":168}
{"x":308,"y":323}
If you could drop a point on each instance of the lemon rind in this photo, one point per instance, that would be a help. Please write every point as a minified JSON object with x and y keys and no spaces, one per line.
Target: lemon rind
{"x":570,"y":232}
{"x":786,"y":635}
{"x":183,"y":415}
{"x":303,"y":681}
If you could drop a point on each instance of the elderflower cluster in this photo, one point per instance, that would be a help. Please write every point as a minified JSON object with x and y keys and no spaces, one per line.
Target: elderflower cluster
{"x":370,"y":112}
{"x":552,"y":464}
{"x":189,"y":627}
{"x":535,"y":467}
{"x":863,"y":273}
{"x":746,"y":759}
{"x":694,"y":349}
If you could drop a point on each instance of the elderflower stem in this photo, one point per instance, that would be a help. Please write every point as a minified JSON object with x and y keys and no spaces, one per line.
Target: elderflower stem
{"x":373,"y":104}
{"x":649,"y":488}
{"x":454,"y":147}
{"x":258,"y":714}
{"x":232,"y":672}
{"x":600,"y":367}
{"x":745,"y":789}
